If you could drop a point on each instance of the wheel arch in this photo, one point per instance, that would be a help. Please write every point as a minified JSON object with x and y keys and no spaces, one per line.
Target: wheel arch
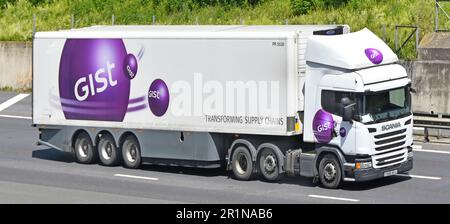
{"x":105,"y":132}
{"x":75,"y":135}
{"x":124,"y":135}
{"x":241,"y":142}
{"x":328,"y":149}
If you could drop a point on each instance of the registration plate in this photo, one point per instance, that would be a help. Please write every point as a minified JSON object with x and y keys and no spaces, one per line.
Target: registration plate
{"x":390,"y":173}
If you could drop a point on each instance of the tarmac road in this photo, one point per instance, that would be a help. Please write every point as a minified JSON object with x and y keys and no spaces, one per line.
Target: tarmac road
{"x":38,"y":174}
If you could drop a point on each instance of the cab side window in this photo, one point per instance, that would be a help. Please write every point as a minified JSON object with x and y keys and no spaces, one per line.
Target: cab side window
{"x":331,"y":101}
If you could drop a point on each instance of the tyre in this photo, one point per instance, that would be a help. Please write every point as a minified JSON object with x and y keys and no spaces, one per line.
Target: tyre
{"x":131,"y":153}
{"x":108,"y":151}
{"x":242,"y":163}
{"x":268,"y":165}
{"x":330,"y":172}
{"x":84,"y":149}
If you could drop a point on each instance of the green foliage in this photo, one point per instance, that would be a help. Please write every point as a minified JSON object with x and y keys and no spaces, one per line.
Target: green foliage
{"x":301,"y":7}
{"x":3,"y":3}
{"x":17,"y":15}
{"x":37,"y":2}
{"x":333,"y":3}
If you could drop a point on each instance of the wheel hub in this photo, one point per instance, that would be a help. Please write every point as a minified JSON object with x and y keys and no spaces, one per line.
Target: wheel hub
{"x":330,"y":172}
{"x":107,"y":150}
{"x":83,"y":148}
{"x":131,"y":154}
{"x":270,"y":163}
{"x":242,"y":163}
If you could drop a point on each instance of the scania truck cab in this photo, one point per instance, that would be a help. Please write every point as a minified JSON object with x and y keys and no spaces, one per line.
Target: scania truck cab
{"x":358,"y":106}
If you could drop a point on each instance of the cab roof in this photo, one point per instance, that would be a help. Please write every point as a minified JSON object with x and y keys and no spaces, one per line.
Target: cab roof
{"x":354,"y":51}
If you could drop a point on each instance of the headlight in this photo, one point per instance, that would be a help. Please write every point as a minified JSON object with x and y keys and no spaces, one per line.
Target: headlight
{"x":363,"y":165}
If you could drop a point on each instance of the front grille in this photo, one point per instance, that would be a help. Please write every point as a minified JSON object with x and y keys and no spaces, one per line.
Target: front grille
{"x":389,"y":151}
{"x":390,"y":140}
{"x":389,"y":160}
{"x":390,"y":148}
{"x":389,"y":134}
{"x":386,"y":147}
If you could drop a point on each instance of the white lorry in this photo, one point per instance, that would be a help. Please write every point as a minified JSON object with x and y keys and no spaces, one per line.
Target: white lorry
{"x":313,"y":101}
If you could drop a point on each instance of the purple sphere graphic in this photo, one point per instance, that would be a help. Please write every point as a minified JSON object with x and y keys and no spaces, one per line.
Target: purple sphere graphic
{"x":92,"y":84}
{"x":158,"y":97}
{"x":323,"y":125}
{"x":374,"y":55}
{"x":342,"y":132}
{"x":130,"y":66}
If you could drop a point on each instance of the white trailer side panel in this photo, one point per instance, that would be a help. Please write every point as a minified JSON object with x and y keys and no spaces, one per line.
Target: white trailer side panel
{"x":227,"y":83}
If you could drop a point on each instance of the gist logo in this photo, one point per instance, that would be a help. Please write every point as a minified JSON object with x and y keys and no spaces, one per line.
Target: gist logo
{"x":158,"y":97}
{"x":93,"y":84}
{"x":323,"y":125}
{"x":375,"y":56}
{"x":130,"y":66}
{"x":98,"y":78}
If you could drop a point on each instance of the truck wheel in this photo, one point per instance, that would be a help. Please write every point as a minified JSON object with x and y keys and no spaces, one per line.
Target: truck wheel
{"x":242,"y":163}
{"x":84,"y":149}
{"x":107,"y":150}
{"x":330,"y":171}
{"x":268,"y":165}
{"x":131,"y":153}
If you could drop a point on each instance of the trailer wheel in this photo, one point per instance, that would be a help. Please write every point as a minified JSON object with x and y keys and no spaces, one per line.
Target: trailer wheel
{"x":107,"y":150}
{"x":131,"y":153}
{"x":268,"y":165}
{"x":84,"y":149}
{"x":242,"y":163}
{"x":330,"y":171}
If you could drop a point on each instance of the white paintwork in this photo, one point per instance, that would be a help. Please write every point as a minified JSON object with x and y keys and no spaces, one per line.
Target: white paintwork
{"x":382,"y":73}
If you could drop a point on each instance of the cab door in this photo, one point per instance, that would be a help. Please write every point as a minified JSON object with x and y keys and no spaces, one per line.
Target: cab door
{"x":343,"y":133}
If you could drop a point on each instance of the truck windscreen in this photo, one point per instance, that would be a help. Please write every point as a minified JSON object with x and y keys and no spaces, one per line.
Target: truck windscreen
{"x":384,"y":106}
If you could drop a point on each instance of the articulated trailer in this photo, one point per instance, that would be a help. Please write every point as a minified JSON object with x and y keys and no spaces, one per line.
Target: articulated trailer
{"x":313,"y":101}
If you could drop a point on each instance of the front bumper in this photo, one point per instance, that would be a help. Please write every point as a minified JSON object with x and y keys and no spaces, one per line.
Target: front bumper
{"x":372,"y":173}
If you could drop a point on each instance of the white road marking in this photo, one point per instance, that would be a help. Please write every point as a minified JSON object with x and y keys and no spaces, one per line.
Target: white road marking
{"x":416,"y":146}
{"x":13,"y":100}
{"x":420,"y":177}
{"x":135,"y":177}
{"x":333,"y":198}
{"x":14,"y":116}
{"x":432,"y":151}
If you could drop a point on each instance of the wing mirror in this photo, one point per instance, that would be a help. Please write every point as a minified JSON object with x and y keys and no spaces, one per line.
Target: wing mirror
{"x":347,"y":109}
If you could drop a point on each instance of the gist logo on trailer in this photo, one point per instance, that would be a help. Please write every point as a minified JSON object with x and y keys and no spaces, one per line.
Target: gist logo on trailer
{"x":158,"y":97}
{"x":94,"y":79}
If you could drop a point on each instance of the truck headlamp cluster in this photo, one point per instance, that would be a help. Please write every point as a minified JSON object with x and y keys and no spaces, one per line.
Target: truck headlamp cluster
{"x":363,"y":165}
